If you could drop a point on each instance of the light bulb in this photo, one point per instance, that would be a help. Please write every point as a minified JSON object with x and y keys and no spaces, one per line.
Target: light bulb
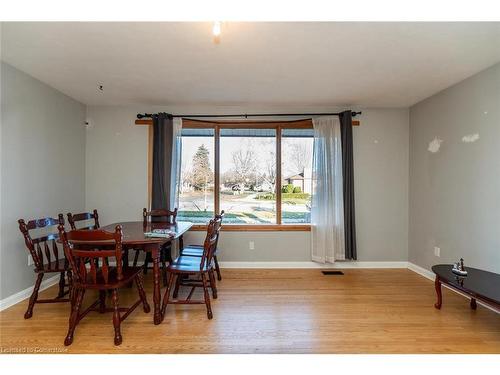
{"x":216,"y":29}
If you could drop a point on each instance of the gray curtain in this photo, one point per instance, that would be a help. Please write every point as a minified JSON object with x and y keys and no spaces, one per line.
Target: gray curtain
{"x":348,"y":185}
{"x":162,"y":161}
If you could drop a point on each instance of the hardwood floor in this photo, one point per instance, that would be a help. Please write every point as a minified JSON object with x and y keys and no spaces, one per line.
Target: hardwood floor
{"x":276,"y":311}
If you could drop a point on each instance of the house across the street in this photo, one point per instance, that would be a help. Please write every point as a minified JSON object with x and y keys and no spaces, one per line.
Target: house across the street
{"x":302,"y":180}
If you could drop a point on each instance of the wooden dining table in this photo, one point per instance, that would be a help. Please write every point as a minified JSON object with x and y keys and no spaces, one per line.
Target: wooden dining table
{"x":133,"y":236}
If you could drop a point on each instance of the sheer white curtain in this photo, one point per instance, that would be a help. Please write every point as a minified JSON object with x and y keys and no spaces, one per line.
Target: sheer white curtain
{"x":175,"y":171}
{"x":327,"y":211}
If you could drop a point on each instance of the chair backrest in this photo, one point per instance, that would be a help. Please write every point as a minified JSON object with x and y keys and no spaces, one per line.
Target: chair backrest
{"x":221,"y":217}
{"x":162,"y":215}
{"x":72,"y":219}
{"x":211,"y":240}
{"x":92,"y":248}
{"x":35,"y":245}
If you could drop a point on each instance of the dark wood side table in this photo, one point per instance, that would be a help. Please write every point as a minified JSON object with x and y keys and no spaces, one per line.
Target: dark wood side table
{"x":478,"y":284}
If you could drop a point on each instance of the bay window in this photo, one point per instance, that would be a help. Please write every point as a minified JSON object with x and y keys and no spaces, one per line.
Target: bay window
{"x":258,"y":173}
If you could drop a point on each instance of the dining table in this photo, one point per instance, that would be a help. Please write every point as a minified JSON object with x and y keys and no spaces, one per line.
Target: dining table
{"x":134,"y":236}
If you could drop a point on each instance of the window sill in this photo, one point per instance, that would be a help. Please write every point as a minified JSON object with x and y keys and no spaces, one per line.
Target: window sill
{"x":257,"y":227}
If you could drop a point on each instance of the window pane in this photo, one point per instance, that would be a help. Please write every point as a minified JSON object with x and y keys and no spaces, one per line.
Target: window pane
{"x":196,"y":192}
{"x":296,"y":167}
{"x":248,"y":175}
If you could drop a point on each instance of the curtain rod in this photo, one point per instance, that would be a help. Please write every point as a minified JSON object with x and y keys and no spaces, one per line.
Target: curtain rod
{"x":245,"y":115}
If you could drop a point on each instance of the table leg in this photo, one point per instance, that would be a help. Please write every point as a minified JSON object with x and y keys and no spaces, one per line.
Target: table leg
{"x":437,"y":284}
{"x":155,"y":254}
{"x":181,"y":244}
{"x":473,"y":304}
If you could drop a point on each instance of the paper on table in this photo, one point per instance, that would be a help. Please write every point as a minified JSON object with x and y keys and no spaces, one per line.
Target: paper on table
{"x":163,"y":233}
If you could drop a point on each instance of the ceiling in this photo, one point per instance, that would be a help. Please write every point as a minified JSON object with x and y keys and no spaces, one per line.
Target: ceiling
{"x":265,"y":64}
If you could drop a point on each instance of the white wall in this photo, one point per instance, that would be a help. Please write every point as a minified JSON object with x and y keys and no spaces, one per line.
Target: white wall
{"x":455,"y":192}
{"x":42,"y":165}
{"x":116,"y":182}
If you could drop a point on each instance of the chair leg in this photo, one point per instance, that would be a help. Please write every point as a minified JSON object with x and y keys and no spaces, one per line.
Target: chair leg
{"x":147,"y":259}
{"x":164,"y":274}
{"x":136,"y":257}
{"x":62,"y":283}
{"x":34,"y":296}
{"x":217,"y":269}
{"x":177,"y":285}
{"x":125,"y":258}
{"x":168,"y":253}
{"x":206,"y":295}
{"x":116,"y":318}
{"x":163,"y":268}
{"x":142,"y":294}
{"x":75,"y":312}
{"x":70,"y":284}
{"x":166,"y":296}
{"x":102,"y":301}
{"x":212,"y":283}
{"x":72,"y":297}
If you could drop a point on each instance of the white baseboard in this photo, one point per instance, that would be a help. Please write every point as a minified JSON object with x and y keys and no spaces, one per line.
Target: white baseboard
{"x":26,"y":293}
{"x":339,"y":264}
{"x":421,"y":271}
{"x":432,"y":276}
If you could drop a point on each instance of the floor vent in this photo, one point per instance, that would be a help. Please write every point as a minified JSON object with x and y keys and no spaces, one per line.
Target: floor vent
{"x":332,"y":273}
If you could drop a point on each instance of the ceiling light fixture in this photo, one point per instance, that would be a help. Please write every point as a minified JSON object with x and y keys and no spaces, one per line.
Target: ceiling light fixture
{"x":216,"y":31}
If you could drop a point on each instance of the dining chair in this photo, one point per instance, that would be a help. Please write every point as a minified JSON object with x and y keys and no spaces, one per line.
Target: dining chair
{"x":87,"y":216}
{"x":48,"y":261}
{"x":160,"y":215}
{"x":197,"y":250}
{"x":84,"y":248}
{"x":201,"y":267}
{"x":84,"y":216}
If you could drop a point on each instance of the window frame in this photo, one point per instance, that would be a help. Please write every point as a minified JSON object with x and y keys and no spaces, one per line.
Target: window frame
{"x":217,"y":126}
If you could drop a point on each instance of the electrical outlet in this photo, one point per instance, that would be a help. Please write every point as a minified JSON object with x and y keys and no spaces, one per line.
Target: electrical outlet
{"x":437,"y":251}
{"x":251,"y":245}
{"x":30,"y":260}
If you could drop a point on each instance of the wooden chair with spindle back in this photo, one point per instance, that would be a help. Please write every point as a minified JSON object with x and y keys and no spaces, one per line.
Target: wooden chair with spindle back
{"x":90,"y":254}
{"x":160,"y":215}
{"x":46,"y":261}
{"x":84,"y":216}
{"x":197,"y":250}
{"x":203,"y":267}
{"x":73,"y":219}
